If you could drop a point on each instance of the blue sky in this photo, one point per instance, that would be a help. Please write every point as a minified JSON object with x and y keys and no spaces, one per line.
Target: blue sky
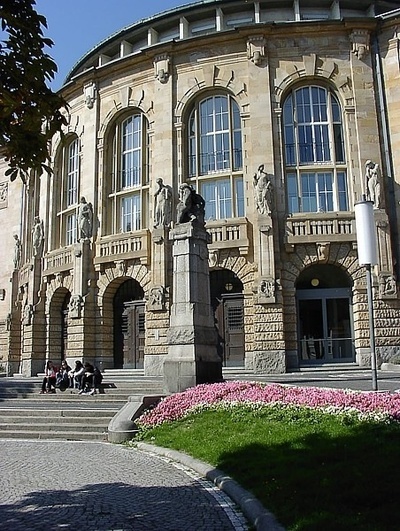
{"x":77,"y":26}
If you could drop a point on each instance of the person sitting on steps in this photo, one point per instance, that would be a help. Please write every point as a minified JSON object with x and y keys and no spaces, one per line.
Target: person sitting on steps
{"x":50,"y":377}
{"x":76,"y":375}
{"x":62,"y":381}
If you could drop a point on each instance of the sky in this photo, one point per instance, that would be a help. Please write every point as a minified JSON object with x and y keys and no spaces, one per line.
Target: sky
{"x":76,"y":26}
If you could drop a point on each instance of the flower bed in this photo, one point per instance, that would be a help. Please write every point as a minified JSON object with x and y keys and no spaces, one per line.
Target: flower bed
{"x":366,"y":405}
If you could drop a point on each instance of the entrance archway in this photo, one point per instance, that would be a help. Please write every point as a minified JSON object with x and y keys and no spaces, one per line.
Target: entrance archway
{"x":57,"y":333}
{"x":227,"y":300}
{"x":324,"y":310}
{"x":129,"y":326}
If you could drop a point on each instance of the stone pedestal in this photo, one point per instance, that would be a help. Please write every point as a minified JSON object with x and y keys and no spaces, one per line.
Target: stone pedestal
{"x":192,"y":338}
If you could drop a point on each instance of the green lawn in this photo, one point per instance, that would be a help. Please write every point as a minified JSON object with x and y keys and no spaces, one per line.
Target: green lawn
{"x":312,"y":470}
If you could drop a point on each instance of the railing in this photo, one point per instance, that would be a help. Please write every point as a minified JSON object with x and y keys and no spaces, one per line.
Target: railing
{"x":123,"y":246}
{"x":59,"y":260}
{"x":229,"y":234}
{"x":312,"y":227}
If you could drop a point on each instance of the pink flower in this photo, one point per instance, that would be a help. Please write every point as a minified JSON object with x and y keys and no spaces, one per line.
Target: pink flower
{"x":364,"y":402}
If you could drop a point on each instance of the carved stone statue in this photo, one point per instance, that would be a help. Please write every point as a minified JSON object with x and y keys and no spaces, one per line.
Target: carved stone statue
{"x":17,"y":252}
{"x":85,"y":219}
{"x":263,"y":191}
{"x":163,"y":205}
{"x":75,"y":307}
{"x":37,"y":236}
{"x":191,"y":205}
{"x":372,"y":183}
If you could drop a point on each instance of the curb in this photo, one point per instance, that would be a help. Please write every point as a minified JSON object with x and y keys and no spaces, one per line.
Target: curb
{"x":252,"y":509}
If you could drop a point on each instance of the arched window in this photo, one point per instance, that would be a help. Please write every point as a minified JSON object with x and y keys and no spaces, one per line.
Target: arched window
{"x":69,"y":193}
{"x":316,"y":178}
{"x":215,"y":156}
{"x":129,"y":183}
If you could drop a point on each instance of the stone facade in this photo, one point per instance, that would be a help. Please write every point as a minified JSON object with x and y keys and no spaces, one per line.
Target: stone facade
{"x":273,"y":115}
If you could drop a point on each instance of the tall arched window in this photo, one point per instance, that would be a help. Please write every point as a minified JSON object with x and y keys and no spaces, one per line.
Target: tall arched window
{"x":130,"y":179}
{"x":215,"y":156}
{"x":69,"y":193}
{"x":315,"y":163}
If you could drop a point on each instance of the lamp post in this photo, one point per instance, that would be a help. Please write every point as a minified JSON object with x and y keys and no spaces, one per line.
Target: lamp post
{"x":367,"y":257}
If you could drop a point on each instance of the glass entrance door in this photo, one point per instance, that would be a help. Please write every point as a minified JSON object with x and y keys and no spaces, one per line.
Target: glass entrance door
{"x":324,"y":326}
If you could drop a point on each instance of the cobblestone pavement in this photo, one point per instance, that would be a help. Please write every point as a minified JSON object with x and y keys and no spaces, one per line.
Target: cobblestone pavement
{"x":88,"y":486}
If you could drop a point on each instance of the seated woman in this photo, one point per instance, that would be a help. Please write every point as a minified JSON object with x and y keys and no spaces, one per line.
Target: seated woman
{"x":75,"y":376}
{"x":88,"y":380}
{"x":62,"y":381}
{"x":49,"y":380}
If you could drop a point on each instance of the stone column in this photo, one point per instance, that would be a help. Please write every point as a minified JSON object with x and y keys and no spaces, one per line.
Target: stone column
{"x":192,"y":353}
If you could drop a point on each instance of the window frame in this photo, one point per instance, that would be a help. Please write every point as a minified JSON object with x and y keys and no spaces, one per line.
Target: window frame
{"x":130,"y":173}
{"x":315,"y":170}
{"x":219,"y":179}
{"x":68,"y":193}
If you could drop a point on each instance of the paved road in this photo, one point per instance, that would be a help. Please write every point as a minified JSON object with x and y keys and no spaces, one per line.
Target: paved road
{"x":78,"y":486}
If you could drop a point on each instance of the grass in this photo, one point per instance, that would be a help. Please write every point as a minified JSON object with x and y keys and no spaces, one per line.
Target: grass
{"x":312,"y":470}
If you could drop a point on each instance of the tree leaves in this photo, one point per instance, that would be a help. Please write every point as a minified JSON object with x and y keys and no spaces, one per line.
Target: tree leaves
{"x":30,"y":112}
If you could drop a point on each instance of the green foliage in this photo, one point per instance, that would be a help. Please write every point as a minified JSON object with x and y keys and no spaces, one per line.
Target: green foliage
{"x":30,"y":112}
{"x":312,"y":470}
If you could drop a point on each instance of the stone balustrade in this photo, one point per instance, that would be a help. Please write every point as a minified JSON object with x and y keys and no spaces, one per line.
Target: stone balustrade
{"x":308,"y":228}
{"x":229,"y":234}
{"x":58,"y":260}
{"x":123,"y":247}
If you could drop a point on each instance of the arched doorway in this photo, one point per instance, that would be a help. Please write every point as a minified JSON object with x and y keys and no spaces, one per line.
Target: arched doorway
{"x":325,"y":327}
{"x":57,"y":331}
{"x":227,"y":300}
{"x":129,"y":326}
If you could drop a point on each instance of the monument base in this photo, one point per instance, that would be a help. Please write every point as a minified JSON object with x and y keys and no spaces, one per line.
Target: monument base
{"x":190,"y":365}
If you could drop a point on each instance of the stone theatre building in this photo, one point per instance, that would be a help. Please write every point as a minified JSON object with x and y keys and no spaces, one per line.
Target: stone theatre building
{"x":281,"y":114}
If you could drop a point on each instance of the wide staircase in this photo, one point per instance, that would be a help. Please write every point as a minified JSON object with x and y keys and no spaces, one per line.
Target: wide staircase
{"x":27,"y":414}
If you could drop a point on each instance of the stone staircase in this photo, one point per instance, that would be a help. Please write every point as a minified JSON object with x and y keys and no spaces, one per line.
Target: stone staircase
{"x":27,"y":414}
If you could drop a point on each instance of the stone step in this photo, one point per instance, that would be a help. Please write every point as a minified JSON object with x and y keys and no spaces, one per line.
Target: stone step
{"x":59,"y":414}
{"x":68,"y":415}
{"x":55,"y":435}
{"x":48,"y":427}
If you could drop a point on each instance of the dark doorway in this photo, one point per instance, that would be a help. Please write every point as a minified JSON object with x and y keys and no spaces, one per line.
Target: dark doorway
{"x":325,"y":330}
{"x":64,"y":326}
{"x":129,"y":326}
{"x":227,"y":301}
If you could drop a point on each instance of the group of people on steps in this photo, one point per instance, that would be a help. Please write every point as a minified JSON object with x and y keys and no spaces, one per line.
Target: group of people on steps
{"x":84,"y":376}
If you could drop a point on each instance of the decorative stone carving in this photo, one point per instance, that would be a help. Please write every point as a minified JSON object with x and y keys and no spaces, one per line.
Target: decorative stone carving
{"x":266,"y":290}
{"x":27,"y":314}
{"x":17,"y":252}
{"x":191,"y":206}
{"x":37,"y":237}
{"x":256,"y":49}
{"x":263,"y":191}
{"x":162,"y":68}
{"x":323,"y":251}
{"x":8,"y":322}
{"x":162,"y":205}
{"x":3,"y":195}
{"x":213,"y":257}
{"x":360,"y":42}
{"x":75,"y":307}
{"x":85,"y":219}
{"x":120,"y":266}
{"x":387,"y":286}
{"x":156,"y":298}
{"x":90,"y":95}
{"x":372,"y":183}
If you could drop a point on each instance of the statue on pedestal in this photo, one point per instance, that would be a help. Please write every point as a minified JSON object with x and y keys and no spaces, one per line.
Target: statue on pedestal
{"x":191,"y":205}
{"x":163,"y":205}
{"x":37,"y":236}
